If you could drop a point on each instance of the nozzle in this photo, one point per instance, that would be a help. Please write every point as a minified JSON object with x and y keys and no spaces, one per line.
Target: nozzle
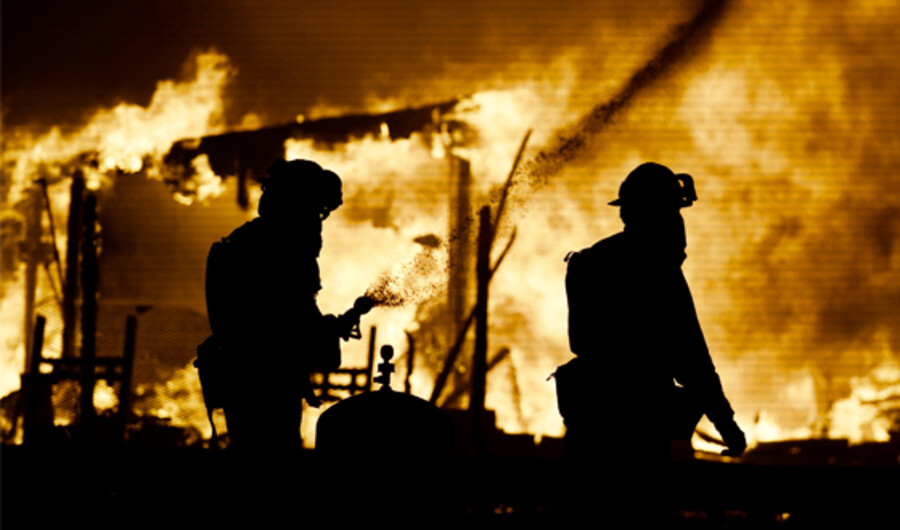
{"x":363,"y":305}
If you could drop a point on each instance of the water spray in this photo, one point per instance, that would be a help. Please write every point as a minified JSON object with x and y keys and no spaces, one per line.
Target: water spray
{"x":572,"y":142}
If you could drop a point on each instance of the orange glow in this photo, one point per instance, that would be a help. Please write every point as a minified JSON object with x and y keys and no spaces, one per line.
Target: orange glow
{"x":179,"y":401}
{"x":127,"y":138}
{"x":794,"y":257}
{"x":123,"y":137}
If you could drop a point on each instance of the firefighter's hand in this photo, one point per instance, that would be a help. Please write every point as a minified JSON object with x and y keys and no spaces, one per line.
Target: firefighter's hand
{"x":346,"y":323}
{"x":733,"y":437}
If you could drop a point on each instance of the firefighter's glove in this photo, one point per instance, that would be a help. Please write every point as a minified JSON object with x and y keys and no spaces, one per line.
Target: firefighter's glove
{"x":346,"y":323}
{"x":733,"y":437}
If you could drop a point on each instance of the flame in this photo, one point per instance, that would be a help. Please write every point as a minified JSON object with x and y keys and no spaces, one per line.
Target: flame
{"x":395,"y":192}
{"x":124,"y":136}
{"x":774,"y":156}
{"x":13,"y":347}
{"x":793,"y":242}
{"x":870,"y":412}
{"x":202,"y":186}
{"x":105,"y":397}
{"x":178,"y":400}
{"x":127,"y":138}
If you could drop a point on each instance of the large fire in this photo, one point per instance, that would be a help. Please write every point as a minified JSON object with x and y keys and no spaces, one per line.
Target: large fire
{"x":793,"y":244}
{"x":125,"y":139}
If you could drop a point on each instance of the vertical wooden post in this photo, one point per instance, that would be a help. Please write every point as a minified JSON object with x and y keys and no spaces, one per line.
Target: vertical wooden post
{"x":31,"y":382}
{"x":89,"y":278}
{"x":410,"y":363}
{"x":370,"y":365}
{"x":127,"y":368}
{"x":73,"y":245}
{"x":460,"y":253}
{"x":479,"y":361}
{"x":32,"y":260}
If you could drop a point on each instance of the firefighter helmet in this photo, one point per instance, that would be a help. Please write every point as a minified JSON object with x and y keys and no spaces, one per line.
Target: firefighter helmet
{"x":654,"y":185}
{"x":300,"y":181}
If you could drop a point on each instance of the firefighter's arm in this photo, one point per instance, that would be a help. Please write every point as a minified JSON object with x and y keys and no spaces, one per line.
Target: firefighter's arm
{"x":697,"y":372}
{"x":579,"y":334}
{"x":703,"y":379}
{"x":719,"y":411}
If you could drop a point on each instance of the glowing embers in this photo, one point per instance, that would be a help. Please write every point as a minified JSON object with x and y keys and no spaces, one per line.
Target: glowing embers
{"x":872,"y":411}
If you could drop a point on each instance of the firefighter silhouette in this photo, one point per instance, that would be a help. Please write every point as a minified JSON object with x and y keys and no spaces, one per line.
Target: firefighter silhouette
{"x":262,"y":282}
{"x":642,"y":375}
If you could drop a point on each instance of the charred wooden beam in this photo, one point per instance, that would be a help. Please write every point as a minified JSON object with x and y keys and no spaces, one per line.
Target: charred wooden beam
{"x":37,"y":397}
{"x":479,"y":360}
{"x":370,"y":359}
{"x":498,"y":357}
{"x":254,"y":151}
{"x":32,"y":261}
{"x":127,"y":367}
{"x":460,"y":253}
{"x":89,"y":280}
{"x":410,"y":362}
{"x":453,"y":353}
{"x":53,"y":247}
{"x":464,"y":328}
{"x":70,"y":285}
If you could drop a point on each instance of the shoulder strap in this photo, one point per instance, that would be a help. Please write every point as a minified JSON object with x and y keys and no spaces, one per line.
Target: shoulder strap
{"x":574,"y":266}
{"x":578,"y":296}
{"x":217,"y":278}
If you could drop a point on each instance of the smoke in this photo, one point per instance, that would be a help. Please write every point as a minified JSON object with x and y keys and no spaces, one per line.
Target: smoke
{"x":577,"y":138}
{"x":806,"y":159}
{"x":782,"y":112}
{"x":567,"y":144}
{"x":793,"y":245}
{"x":64,"y":59}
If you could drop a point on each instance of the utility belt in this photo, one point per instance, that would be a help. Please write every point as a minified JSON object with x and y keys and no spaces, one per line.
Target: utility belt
{"x":224,"y":380}
{"x":227,"y":373}
{"x":583,"y":402}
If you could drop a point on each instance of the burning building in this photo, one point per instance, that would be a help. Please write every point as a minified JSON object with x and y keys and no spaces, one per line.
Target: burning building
{"x":792,"y":245}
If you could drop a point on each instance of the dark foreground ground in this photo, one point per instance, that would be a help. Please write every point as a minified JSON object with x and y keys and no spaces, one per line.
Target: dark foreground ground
{"x":124,"y":487}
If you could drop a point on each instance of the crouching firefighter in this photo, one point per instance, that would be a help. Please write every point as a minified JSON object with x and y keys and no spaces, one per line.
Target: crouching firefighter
{"x":268,"y":332}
